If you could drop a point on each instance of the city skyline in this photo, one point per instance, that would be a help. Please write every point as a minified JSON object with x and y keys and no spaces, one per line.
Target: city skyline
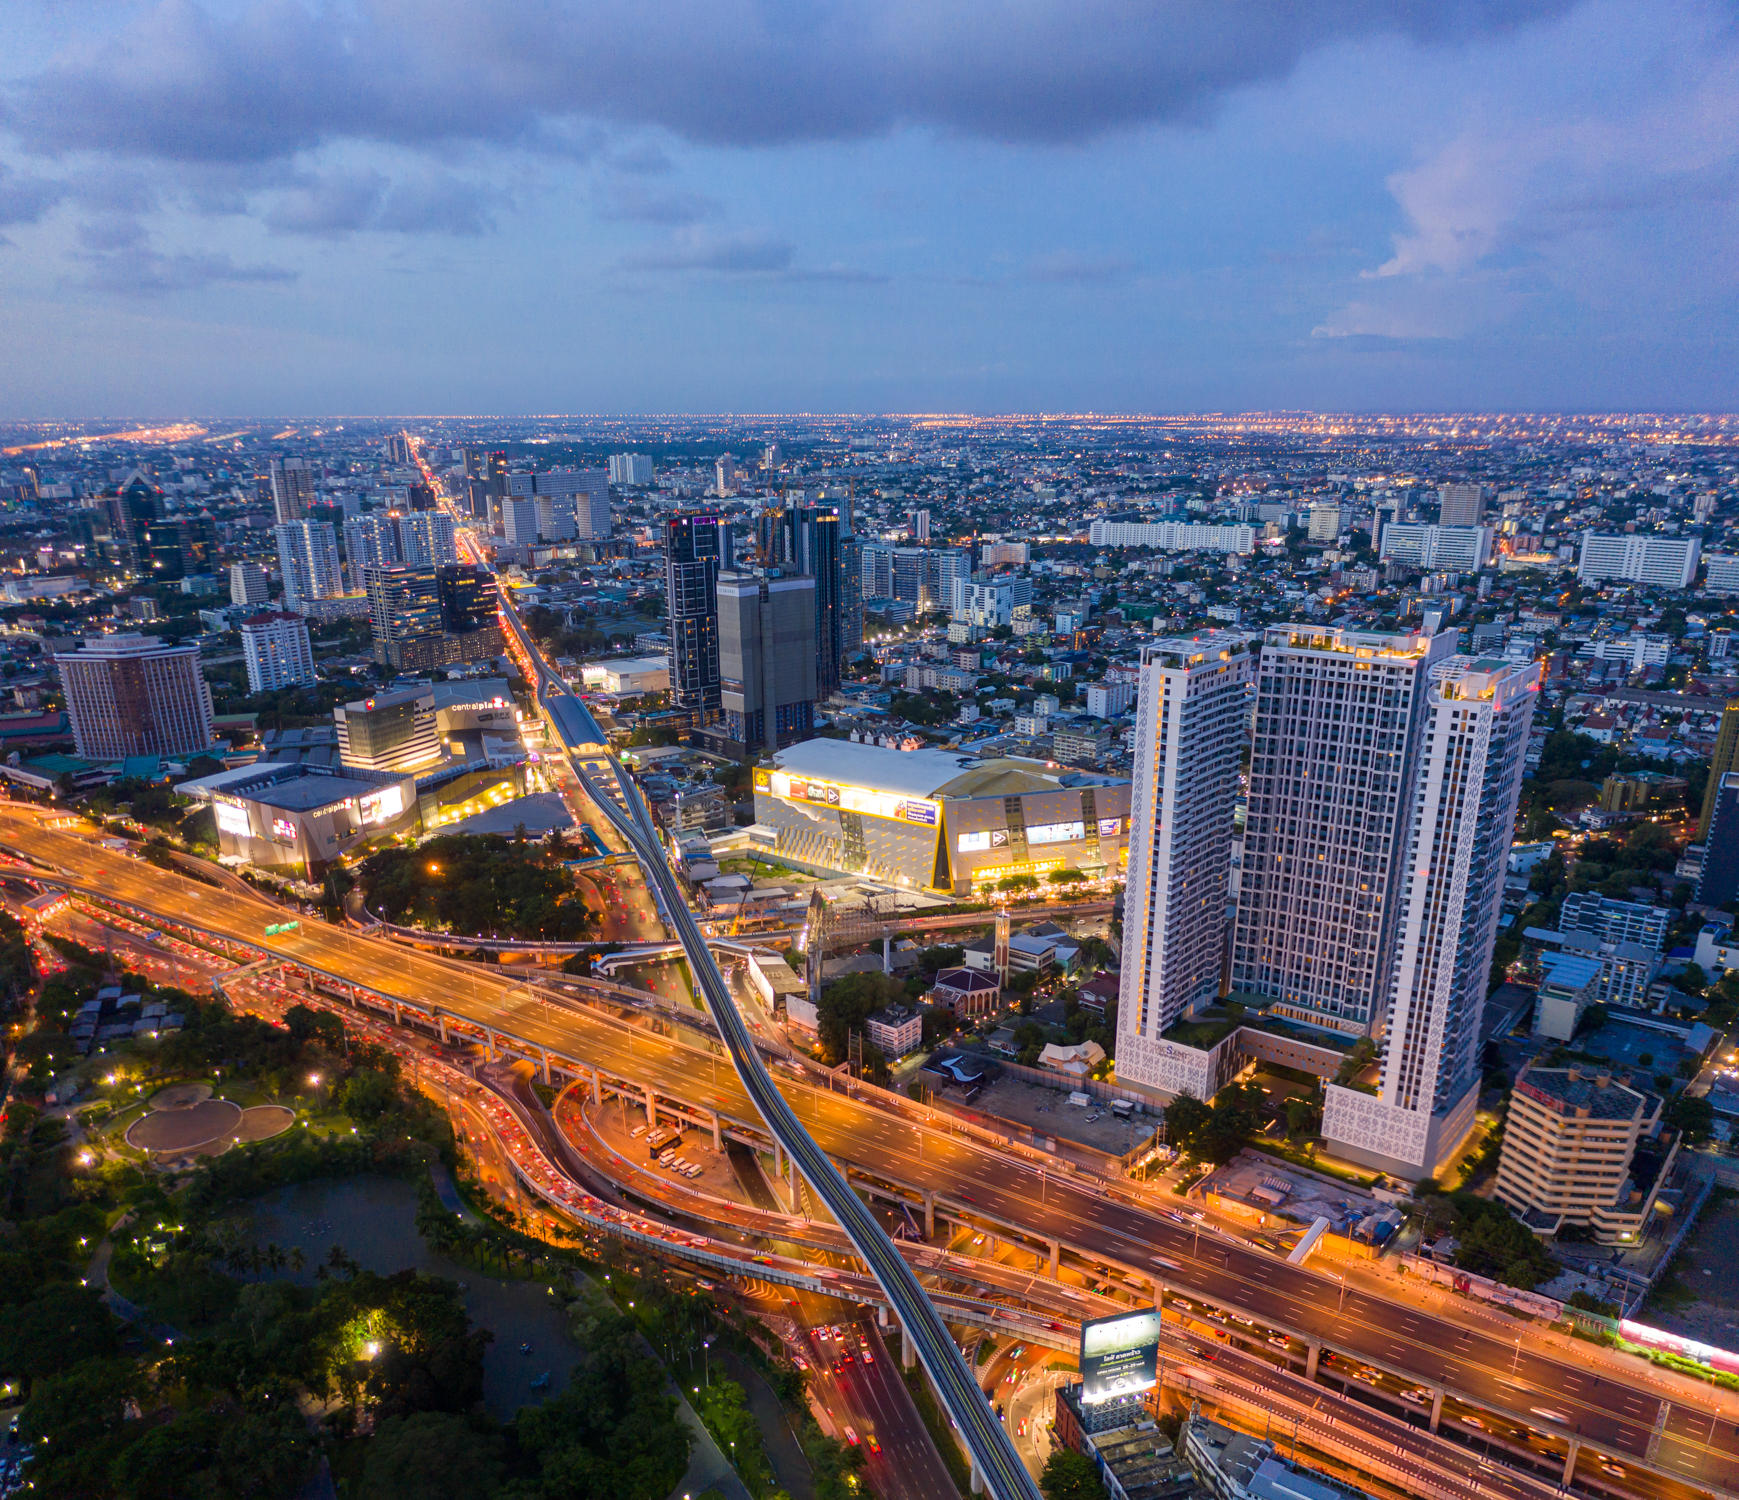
{"x":1482,"y":207}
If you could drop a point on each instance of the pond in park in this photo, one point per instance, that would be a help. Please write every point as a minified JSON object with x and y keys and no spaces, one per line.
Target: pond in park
{"x":374,"y":1220}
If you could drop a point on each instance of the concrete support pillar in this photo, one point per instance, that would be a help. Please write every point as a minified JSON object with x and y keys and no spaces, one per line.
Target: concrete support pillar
{"x":597,"y":1087}
{"x":888,"y":954}
{"x":792,"y":1183}
{"x":651,"y":1110}
{"x":929,"y":1215}
{"x":1056,"y":1249}
{"x":546,"y":1067}
{"x":1570,"y":1460}
{"x":1436,"y":1409}
{"x":442,"y":1020}
{"x":718,"y":1135}
{"x":1311,"y":1362}
{"x":977,"y":1481}
{"x":489,"y":1046}
{"x":908,"y":1349}
{"x":778,"y":1158}
{"x":884,"y":1315}
{"x":398,"y":1014}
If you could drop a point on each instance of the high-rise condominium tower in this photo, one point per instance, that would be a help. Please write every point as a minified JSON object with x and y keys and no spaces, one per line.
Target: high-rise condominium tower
{"x":1460,"y":504}
{"x":1460,"y":815}
{"x":308,"y":558}
{"x":1190,"y":731}
{"x":697,"y":548}
{"x":1337,"y":730}
{"x":133,"y":695}
{"x":295,"y":483}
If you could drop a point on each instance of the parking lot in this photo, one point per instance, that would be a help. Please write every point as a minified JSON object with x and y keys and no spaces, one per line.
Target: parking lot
{"x":1048,"y":1112}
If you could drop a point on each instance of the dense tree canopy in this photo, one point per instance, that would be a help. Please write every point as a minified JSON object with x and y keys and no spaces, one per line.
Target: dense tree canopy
{"x":477,"y":885}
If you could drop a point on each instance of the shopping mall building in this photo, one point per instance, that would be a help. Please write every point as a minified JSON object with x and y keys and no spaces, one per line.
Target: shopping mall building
{"x":936,"y":819}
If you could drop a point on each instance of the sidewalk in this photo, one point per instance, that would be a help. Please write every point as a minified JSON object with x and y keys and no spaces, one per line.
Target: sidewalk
{"x":790,"y":1466}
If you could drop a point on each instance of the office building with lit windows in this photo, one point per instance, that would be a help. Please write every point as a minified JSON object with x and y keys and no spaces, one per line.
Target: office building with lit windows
{"x":697,"y":548}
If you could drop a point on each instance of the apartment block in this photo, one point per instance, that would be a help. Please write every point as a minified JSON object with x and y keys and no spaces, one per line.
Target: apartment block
{"x":1460,"y":820}
{"x":1338,"y":725}
{"x":133,"y":695}
{"x":1577,"y":1151}
{"x":1191,"y":714}
{"x":276,"y":649}
{"x":1662,"y":562}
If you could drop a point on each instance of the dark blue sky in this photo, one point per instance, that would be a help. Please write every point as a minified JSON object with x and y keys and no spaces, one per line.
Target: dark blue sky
{"x":250,"y":206}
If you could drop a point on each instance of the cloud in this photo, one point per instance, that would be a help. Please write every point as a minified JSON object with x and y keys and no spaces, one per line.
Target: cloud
{"x":1070,"y":267}
{"x":25,"y":199}
{"x":690,"y":250}
{"x":836,"y":273}
{"x":633,"y":202}
{"x":136,"y":270}
{"x":1516,"y":186}
{"x":337,"y":203}
{"x":111,"y":232}
{"x":265,"y":79}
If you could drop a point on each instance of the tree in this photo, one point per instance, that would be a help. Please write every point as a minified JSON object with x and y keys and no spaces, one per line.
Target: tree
{"x":432,"y":1453}
{"x":1185,"y":1119}
{"x":1069,"y":1475}
{"x":368,"y":1094}
{"x":847,"y":1003}
{"x":58,"y":1327}
{"x":1693,"y":1117}
{"x":1303,"y":1116}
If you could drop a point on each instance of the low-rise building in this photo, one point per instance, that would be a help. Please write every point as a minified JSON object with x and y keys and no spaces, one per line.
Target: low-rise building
{"x":1574,"y":1153}
{"x":969,"y":993}
{"x":301,"y":818}
{"x":628,"y":676}
{"x":1567,"y":989}
{"x":895,"y":1030}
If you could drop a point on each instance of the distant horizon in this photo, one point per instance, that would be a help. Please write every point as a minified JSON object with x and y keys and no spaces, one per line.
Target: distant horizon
{"x":866,"y":414}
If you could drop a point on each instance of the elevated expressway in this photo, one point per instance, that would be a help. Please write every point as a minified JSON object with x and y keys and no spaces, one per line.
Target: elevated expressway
{"x":889,"y":1147}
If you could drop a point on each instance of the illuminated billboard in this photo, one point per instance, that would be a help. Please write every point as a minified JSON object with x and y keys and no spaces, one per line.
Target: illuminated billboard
{"x":232,"y":820}
{"x":1119,"y":1356}
{"x":379,"y":807}
{"x":857,"y":799}
{"x":973,"y":843}
{"x":1056,"y":833}
{"x":284,"y":830}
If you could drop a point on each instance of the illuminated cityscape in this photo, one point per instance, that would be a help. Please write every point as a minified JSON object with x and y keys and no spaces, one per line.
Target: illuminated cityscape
{"x":792,"y":753}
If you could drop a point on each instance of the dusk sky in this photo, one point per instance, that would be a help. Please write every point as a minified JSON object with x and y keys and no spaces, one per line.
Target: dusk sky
{"x":234,"y":207}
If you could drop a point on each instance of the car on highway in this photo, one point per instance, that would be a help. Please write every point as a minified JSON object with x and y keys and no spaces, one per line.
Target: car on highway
{"x":1416,"y":1396}
{"x":851,"y":1435}
{"x":1550,"y":1415}
{"x":870,"y":1441}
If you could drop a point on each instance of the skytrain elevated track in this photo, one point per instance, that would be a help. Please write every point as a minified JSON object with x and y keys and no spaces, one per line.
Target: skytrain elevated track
{"x":995,"y":1462}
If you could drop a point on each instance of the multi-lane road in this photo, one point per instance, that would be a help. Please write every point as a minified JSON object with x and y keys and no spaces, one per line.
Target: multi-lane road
{"x":1697,"y":1441}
